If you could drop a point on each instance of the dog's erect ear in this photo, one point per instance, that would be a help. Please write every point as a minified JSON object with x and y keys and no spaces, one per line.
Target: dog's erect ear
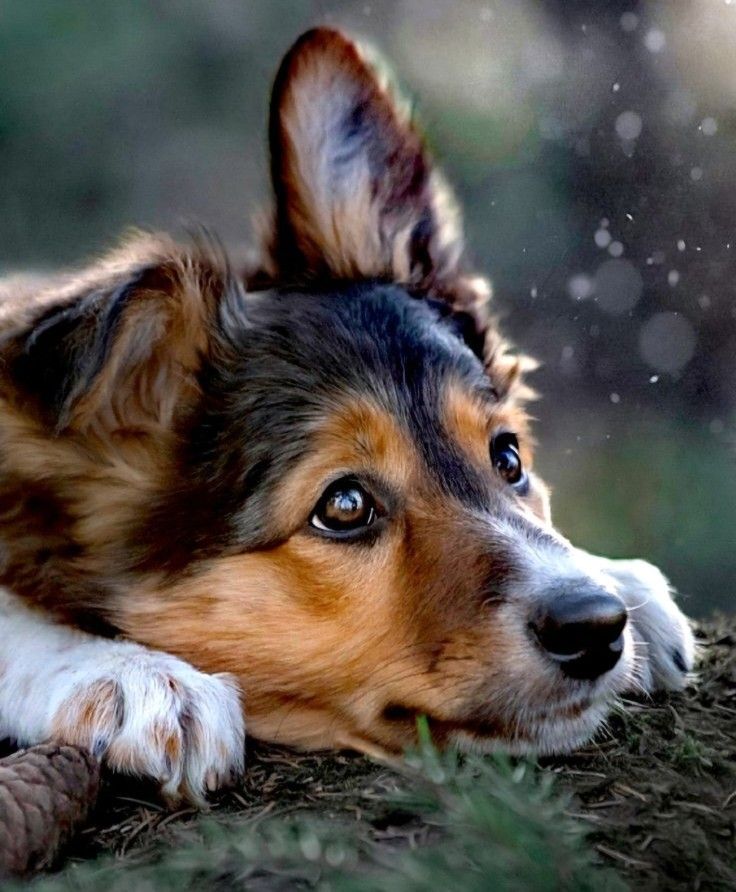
{"x":115,"y":349}
{"x":356,"y":194}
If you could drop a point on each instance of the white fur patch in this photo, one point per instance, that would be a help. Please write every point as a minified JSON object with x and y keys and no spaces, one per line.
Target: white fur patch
{"x":146,"y":713}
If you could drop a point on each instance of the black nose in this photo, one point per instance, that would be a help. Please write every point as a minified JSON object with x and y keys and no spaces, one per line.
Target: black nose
{"x":582,"y":631}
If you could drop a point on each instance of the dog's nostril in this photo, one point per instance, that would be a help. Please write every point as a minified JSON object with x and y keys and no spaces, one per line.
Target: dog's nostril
{"x":582,"y":631}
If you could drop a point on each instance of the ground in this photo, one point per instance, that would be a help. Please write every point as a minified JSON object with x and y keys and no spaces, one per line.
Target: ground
{"x":650,"y":805}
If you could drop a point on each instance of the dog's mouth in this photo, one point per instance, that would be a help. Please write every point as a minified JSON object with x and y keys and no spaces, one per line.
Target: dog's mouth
{"x":553,"y":728}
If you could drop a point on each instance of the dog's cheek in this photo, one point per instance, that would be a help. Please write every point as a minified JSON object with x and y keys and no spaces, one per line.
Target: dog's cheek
{"x":294,"y":634}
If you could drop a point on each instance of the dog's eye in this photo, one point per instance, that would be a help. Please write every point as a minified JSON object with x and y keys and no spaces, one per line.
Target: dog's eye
{"x":506,"y":458}
{"x":345,"y":507}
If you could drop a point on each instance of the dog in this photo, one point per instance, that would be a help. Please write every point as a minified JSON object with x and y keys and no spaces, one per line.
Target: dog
{"x":303,"y":495}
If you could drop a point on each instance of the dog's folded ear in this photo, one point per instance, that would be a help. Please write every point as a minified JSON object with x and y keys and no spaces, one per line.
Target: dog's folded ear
{"x":356,"y":194}
{"x":115,"y":349}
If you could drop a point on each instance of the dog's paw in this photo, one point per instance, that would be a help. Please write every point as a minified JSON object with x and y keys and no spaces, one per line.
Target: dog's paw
{"x":153,"y":715}
{"x":663,"y":640}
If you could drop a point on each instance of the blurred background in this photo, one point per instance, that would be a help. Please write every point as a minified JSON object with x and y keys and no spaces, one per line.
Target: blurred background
{"x":593,"y":145}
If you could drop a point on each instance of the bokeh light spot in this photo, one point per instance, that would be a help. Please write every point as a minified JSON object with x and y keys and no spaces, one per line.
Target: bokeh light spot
{"x":580,"y":287}
{"x":655,"y":40}
{"x":667,"y":342}
{"x":602,"y":238}
{"x":618,"y":286}
{"x":629,"y":21}
{"x":628,"y":125}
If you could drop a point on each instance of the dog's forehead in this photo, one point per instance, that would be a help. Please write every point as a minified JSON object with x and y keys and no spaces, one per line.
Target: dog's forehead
{"x":306,"y":357}
{"x":369,"y":338}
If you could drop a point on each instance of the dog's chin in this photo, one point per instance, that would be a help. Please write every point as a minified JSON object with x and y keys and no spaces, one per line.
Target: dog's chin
{"x":557,"y":728}
{"x":563,"y":715}
{"x":553,"y":733}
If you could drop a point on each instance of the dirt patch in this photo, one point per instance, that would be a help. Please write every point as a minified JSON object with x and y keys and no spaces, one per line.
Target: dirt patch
{"x":655,"y":794}
{"x":659,"y":795}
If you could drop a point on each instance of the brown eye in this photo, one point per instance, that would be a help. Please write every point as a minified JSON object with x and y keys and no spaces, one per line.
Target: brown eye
{"x":345,"y":507}
{"x":506,"y":458}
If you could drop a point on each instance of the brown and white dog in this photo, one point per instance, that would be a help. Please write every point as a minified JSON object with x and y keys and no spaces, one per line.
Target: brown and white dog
{"x":314,"y":491}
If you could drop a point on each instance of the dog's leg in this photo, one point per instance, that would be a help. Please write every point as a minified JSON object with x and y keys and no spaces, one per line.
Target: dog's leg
{"x":146,"y":713}
{"x":663,"y":640}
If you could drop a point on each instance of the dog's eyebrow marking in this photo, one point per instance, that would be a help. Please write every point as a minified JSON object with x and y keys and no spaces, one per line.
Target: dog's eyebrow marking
{"x":359,"y":436}
{"x":467,"y":418}
{"x":454,"y":439}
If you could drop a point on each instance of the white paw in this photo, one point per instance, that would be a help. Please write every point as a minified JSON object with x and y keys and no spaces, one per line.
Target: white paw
{"x":153,"y":715}
{"x":663,"y":640}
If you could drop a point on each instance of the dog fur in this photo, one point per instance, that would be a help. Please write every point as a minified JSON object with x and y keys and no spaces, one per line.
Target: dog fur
{"x":168,"y":425}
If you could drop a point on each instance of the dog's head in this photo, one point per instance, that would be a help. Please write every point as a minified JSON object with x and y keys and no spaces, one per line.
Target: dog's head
{"x":338,"y":501}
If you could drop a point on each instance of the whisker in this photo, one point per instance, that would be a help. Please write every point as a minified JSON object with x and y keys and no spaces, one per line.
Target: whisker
{"x":638,"y":606}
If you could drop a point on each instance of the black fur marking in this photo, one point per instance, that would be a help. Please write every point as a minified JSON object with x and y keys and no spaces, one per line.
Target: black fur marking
{"x":357,"y":137}
{"x":419,"y":243}
{"x":464,"y":325}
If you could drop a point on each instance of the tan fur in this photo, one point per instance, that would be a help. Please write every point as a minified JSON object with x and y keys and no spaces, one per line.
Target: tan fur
{"x":115,"y":453}
{"x":473,"y":422}
{"x":90,"y":712}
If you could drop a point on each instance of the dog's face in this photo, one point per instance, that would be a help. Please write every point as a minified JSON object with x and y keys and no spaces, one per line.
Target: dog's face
{"x":391,"y":546}
{"x":344,"y":511}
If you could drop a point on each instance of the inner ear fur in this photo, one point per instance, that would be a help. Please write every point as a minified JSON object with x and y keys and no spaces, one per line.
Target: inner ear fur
{"x":117,"y":348}
{"x":356,"y":194}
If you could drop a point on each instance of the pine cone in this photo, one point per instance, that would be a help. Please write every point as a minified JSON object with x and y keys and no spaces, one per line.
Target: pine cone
{"x":46,"y":793}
